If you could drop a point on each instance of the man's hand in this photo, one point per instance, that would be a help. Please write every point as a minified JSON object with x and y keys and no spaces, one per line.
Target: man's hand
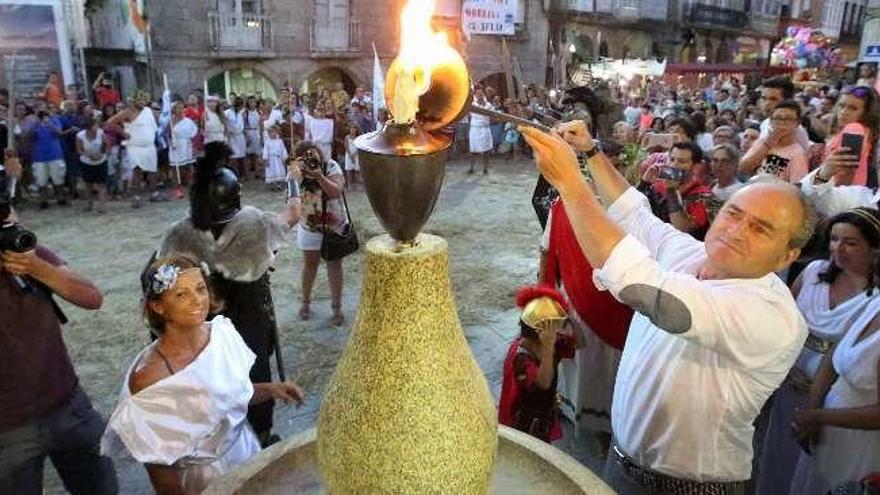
{"x":576,"y":134}
{"x":554,"y":157}
{"x":23,"y":264}
{"x":12,"y":164}
{"x":651,"y":173}
{"x":806,"y":428}
{"x":309,"y":173}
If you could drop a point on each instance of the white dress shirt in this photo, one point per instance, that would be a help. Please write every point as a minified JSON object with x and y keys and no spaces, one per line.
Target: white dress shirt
{"x":701,"y":357}
{"x":830,"y":199}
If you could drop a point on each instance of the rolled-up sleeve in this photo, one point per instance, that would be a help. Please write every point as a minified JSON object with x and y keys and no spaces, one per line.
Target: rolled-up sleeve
{"x":632,"y":212}
{"x":728,"y":318}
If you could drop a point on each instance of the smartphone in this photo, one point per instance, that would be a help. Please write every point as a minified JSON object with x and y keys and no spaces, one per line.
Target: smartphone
{"x":671,"y":173}
{"x":660,"y":140}
{"x":854,"y":142}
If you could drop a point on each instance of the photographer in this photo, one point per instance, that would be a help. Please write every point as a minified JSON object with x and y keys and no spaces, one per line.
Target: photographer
{"x":47,"y":156}
{"x":43,"y":411}
{"x":675,"y":193}
{"x":321,"y":187}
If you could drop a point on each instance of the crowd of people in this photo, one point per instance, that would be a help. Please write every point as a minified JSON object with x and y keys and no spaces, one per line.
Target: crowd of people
{"x":695,"y":319}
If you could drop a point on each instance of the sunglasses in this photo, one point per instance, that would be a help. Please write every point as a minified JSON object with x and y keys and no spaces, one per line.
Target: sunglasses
{"x":860,"y":92}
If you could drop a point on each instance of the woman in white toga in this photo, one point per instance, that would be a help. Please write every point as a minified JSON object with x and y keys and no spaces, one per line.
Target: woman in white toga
{"x":182,"y":411}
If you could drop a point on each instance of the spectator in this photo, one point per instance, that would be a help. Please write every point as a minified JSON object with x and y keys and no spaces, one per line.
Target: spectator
{"x":773,"y":92}
{"x":321,"y":192}
{"x":724,"y":163}
{"x":180,"y":154}
{"x":274,"y":158}
{"x":352,"y":165}
{"x":43,"y":410}
{"x":47,"y":157}
{"x":779,"y":153}
{"x":253,"y":136}
{"x":748,"y":137}
{"x":105,"y":93}
{"x":235,"y":137}
{"x":723,"y":134}
{"x":647,"y":120}
{"x":215,"y":121}
{"x":858,"y":113}
{"x":92,"y":146}
{"x":319,"y":128}
{"x":676,"y":196}
{"x":140,"y":147}
{"x":52,"y":94}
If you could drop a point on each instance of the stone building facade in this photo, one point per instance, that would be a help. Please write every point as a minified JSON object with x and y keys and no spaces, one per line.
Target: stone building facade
{"x":260,"y":45}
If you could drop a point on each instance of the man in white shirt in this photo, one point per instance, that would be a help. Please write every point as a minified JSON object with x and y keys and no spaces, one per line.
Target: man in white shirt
{"x":716,"y":331}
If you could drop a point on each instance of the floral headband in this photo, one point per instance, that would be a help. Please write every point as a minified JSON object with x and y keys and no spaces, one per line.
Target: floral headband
{"x":166,"y":276}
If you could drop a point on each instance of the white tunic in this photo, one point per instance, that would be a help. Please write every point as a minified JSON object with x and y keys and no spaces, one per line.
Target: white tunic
{"x":235,"y":127}
{"x":701,"y":357}
{"x":843,"y":454}
{"x":214,"y":130}
{"x":182,"y":134}
{"x":275,"y":157}
{"x":252,"y":135}
{"x":480,"y":135}
{"x":830,"y":199}
{"x":780,"y":453}
{"x":351,"y":155}
{"x":320,"y":132}
{"x":195,"y":419}
{"x":141,"y":144}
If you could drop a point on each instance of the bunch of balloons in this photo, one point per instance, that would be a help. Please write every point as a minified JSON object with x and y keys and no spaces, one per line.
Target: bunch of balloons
{"x":804,"y":48}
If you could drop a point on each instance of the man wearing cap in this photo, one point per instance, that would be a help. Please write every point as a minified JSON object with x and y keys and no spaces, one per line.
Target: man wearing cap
{"x":715,"y":330}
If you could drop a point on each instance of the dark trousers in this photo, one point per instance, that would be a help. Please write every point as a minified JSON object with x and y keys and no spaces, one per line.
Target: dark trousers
{"x":616,"y":477}
{"x":70,"y":436}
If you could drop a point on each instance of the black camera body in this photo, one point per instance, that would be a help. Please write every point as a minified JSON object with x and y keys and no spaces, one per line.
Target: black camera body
{"x":15,"y":238}
{"x":672,"y":173}
{"x":312,"y":162}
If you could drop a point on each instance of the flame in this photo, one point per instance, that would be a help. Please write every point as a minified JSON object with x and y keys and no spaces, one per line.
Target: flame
{"x":420,"y":48}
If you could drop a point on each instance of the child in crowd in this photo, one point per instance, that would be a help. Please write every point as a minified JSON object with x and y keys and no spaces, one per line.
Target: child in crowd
{"x":274,"y":157}
{"x":528,"y":390}
{"x":352,"y":166}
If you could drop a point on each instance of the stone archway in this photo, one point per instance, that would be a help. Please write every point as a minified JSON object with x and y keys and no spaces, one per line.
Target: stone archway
{"x":328,"y":74}
{"x":258,"y":67}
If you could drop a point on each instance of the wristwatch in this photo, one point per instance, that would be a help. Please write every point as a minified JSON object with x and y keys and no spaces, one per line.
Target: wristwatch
{"x":590,"y":153}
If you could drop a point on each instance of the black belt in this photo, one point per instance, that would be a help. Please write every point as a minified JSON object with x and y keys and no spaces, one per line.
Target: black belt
{"x":666,"y":484}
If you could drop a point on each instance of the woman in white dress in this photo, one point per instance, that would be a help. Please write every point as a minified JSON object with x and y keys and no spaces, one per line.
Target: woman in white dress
{"x":830,"y":294}
{"x":180,"y":155}
{"x":480,"y":134}
{"x":235,"y":137}
{"x":841,"y":425}
{"x":139,"y":126}
{"x":352,"y":165}
{"x":215,"y":121}
{"x":182,"y":411}
{"x":319,"y":130}
{"x":253,"y":137}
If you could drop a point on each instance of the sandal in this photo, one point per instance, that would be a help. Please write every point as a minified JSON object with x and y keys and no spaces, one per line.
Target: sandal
{"x":305,"y":311}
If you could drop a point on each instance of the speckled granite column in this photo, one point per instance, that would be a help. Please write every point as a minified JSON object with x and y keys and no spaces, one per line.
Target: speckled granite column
{"x":408,"y":410}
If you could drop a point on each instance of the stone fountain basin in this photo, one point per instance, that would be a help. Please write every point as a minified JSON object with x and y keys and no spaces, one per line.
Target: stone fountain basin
{"x":524,"y":465}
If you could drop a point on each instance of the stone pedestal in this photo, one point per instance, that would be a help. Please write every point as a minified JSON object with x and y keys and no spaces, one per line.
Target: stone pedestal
{"x":407,"y":410}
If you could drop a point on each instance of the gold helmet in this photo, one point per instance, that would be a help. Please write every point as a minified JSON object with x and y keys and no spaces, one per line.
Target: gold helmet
{"x":540,"y":304}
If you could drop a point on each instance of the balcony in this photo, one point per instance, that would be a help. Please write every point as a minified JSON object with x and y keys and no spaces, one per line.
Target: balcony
{"x":715,"y":17}
{"x":240,"y":32}
{"x":627,"y":9}
{"x":764,"y":23}
{"x":333,"y":38}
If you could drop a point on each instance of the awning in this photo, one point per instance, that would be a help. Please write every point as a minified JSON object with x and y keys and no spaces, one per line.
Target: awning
{"x":698,"y":68}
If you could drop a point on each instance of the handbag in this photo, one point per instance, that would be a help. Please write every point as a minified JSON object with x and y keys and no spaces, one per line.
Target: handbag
{"x":337,"y":246}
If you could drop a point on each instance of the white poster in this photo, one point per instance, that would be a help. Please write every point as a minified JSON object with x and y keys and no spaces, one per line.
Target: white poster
{"x":34,"y":34}
{"x":488,"y":17}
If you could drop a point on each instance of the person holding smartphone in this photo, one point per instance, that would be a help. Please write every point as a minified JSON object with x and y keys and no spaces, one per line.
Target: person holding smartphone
{"x":855,"y":128}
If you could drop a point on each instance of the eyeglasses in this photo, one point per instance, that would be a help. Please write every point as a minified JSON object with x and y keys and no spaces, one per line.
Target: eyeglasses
{"x":784,"y":119}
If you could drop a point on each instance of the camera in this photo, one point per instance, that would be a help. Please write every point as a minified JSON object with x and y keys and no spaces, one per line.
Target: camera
{"x":672,"y":173}
{"x":311,"y":162}
{"x":15,"y":238}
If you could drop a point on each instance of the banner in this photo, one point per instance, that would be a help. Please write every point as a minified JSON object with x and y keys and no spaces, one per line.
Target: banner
{"x":378,"y":85}
{"x":496,"y":17}
{"x":34,"y":34}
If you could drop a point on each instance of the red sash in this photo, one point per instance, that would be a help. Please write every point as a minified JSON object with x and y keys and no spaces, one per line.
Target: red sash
{"x":567,"y":266}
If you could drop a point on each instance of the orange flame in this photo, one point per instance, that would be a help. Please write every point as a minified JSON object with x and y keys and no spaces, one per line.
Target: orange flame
{"x":421,"y":48}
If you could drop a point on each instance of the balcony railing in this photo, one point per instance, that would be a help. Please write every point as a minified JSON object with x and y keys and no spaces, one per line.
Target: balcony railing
{"x":332,"y":36}
{"x":714,"y":16}
{"x":627,"y":8}
{"x":240,"y":32}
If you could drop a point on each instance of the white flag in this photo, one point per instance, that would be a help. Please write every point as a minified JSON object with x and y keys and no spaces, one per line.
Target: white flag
{"x":378,"y":85}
